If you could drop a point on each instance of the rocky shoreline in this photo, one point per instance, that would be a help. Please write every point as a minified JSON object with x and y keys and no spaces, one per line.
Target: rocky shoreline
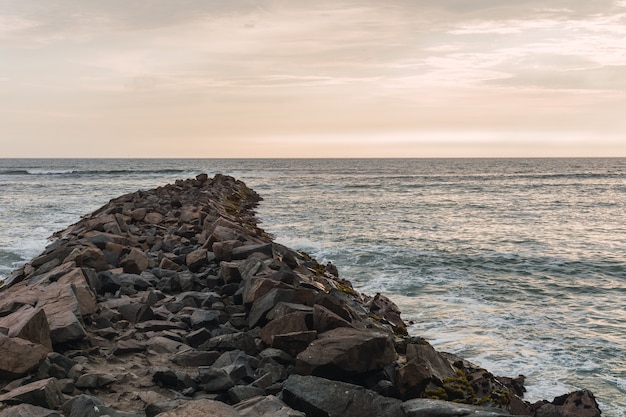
{"x":174,"y":302}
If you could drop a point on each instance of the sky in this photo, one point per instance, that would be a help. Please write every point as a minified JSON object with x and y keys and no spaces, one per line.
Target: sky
{"x":277,"y":78}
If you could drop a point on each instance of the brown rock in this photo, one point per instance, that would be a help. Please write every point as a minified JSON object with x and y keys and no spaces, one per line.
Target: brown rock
{"x":29,"y":324}
{"x":62,"y":309}
{"x":43,"y":393}
{"x":224,"y":250}
{"x":170,"y":265}
{"x":196,"y":259}
{"x":324,"y":319}
{"x":135,"y":262}
{"x":87,"y":303}
{"x":293,"y":322}
{"x":153,"y":218}
{"x":19,"y":356}
{"x":348,"y":350}
{"x":88,"y":257}
{"x":294,"y":342}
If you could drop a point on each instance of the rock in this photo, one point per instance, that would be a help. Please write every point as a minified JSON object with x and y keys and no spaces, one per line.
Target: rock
{"x":29,"y":323}
{"x":135,"y":262}
{"x":240,"y":393}
{"x":293,"y":322}
{"x":266,"y":406}
{"x":232,"y":341}
{"x":27,"y":410}
{"x":196,"y":259}
{"x":347,"y":350}
{"x":206,"y":318}
{"x":268,"y":301}
{"x":201,"y":408}
{"x":88,"y":257}
{"x":575,"y":404}
{"x":244,"y":252}
{"x":136,"y":312}
{"x":96,"y":380}
{"x":43,"y":393}
{"x":62,"y":307}
{"x":229,"y":272}
{"x":322,"y":397}
{"x":123,"y":347}
{"x":195,"y":358}
{"x":294,"y":342}
{"x":422,"y":407}
{"x":19,"y":356}
{"x":324,"y":319}
{"x":88,"y":406}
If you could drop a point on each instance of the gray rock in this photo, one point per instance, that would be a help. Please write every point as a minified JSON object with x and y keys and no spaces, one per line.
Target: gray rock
{"x":43,"y":393}
{"x":240,"y":393}
{"x":195,"y":358}
{"x":266,"y":406}
{"x":319,"y":397}
{"x":27,"y":410}
{"x":422,"y":407}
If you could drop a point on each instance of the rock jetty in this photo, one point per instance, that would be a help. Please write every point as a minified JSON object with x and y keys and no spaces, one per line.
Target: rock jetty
{"x":174,"y":302}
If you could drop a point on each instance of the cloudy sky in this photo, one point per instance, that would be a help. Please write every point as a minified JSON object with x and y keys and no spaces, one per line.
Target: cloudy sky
{"x":278,"y":78}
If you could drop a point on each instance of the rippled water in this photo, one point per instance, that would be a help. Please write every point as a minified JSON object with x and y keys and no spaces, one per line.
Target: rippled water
{"x":518,"y":265}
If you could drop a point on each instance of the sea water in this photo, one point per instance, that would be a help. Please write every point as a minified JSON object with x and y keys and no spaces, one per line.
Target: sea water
{"x":518,"y":265}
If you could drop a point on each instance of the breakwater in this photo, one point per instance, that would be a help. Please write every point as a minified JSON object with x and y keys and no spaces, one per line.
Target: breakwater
{"x":173,"y":299}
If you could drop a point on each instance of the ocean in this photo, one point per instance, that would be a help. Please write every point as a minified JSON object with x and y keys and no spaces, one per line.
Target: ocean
{"x":518,"y":265}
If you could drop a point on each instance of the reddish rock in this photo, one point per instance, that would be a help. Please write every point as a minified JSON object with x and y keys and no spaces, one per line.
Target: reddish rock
{"x":348,"y":350}
{"x":87,"y":303}
{"x":88,"y":257}
{"x":258,"y":287}
{"x":62,"y":309}
{"x":29,"y":324}
{"x":135,"y":262}
{"x":293,"y":322}
{"x":19,"y":356}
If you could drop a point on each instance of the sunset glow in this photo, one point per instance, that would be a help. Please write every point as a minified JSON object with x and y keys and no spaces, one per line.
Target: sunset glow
{"x":323,"y":79}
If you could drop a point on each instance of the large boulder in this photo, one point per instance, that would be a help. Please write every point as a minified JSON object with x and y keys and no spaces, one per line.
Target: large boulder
{"x":319,"y":397}
{"x":575,"y":404}
{"x":19,"y":356}
{"x":30,"y":324}
{"x":346,"y":350}
{"x":43,"y":393}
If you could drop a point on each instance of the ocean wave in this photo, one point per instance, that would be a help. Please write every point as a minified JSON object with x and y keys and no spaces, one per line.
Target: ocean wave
{"x":39,"y":171}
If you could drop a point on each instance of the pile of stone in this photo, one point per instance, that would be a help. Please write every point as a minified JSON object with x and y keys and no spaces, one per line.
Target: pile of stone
{"x":173,"y":302}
